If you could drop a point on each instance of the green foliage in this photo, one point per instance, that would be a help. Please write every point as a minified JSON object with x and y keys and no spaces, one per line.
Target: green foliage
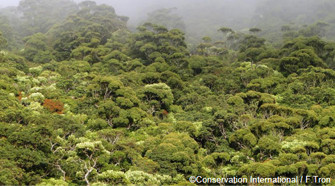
{"x":158,"y":96}
{"x":300,"y":59}
{"x":88,"y":102}
{"x":8,"y":35}
{"x":36,"y":49}
{"x":156,"y":43}
{"x":175,"y":154}
{"x":3,"y":42}
{"x":53,"y":11}
{"x":53,"y":181}
{"x":10,"y":173}
{"x":266,"y":170}
{"x":80,"y":35}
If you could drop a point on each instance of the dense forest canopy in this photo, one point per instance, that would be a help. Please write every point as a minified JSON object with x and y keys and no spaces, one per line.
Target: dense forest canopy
{"x":91,"y":96}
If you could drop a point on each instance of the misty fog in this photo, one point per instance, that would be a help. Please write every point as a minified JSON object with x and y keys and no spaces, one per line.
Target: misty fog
{"x":203,"y":18}
{"x":6,"y":3}
{"x":232,"y":13}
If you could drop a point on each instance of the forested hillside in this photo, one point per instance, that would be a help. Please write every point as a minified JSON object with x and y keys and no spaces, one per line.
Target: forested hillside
{"x":84,"y":100}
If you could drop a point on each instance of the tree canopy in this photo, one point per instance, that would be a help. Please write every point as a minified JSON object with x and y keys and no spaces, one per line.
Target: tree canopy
{"x":85,"y":100}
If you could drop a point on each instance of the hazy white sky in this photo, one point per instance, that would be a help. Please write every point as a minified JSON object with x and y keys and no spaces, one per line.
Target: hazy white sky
{"x":4,"y":3}
{"x":137,"y":10}
{"x":122,"y":7}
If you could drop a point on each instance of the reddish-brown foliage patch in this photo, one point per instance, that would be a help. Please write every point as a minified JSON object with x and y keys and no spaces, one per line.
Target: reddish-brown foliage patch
{"x":54,"y":106}
{"x":19,"y":96}
{"x":165,"y":113}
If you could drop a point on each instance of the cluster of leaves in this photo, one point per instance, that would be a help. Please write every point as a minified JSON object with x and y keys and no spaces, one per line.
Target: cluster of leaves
{"x":53,"y":106}
{"x":92,"y":103}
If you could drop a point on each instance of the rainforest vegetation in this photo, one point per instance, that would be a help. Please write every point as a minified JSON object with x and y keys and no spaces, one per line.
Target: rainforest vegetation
{"x":86,"y":99}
